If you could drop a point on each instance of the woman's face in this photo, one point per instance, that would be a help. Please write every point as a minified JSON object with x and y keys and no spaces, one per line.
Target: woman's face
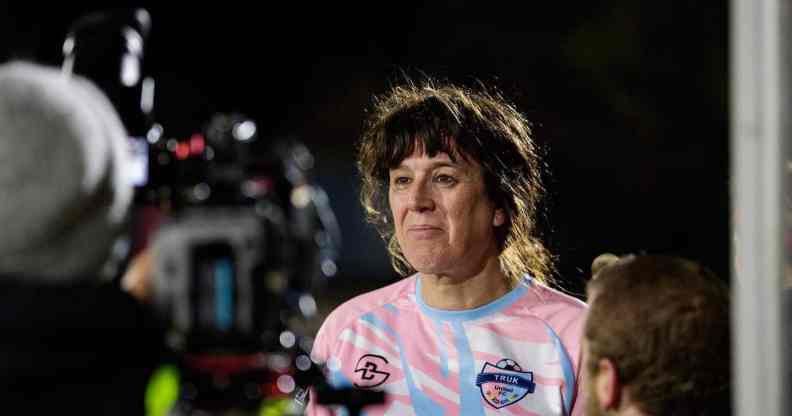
{"x":444,"y":220}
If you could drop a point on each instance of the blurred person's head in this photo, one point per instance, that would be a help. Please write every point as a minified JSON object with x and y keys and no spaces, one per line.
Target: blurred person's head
{"x":657,"y":338}
{"x":489,"y":143}
{"x":62,"y":163}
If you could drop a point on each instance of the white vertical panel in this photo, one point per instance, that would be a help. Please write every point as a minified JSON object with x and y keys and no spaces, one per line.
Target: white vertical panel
{"x":757,"y":134}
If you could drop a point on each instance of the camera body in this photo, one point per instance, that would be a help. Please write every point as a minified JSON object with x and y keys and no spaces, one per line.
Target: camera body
{"x":237,"y":251}
{"x":245,"y":237}
{"x":200,"y":259}
{"x":239,"y":232}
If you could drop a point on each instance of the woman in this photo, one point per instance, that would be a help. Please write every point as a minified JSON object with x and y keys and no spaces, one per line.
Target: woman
{"x":451,"y":178}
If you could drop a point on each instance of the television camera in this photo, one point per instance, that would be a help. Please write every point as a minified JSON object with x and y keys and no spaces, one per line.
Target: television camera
{"x":241,"y":234}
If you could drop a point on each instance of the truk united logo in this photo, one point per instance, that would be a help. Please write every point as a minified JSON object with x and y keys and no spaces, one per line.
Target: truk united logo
{"x":504,"y":383}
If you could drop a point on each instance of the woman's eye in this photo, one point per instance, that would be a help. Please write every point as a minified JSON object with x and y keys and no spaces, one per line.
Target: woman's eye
{"x":445,"y":179}
{"x":401,"y":180}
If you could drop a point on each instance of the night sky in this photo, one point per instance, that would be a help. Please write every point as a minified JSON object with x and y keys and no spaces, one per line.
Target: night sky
{"x":628,"y":98}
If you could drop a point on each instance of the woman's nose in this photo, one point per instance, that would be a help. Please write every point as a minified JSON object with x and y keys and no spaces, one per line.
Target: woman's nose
{"x":420,"y":197}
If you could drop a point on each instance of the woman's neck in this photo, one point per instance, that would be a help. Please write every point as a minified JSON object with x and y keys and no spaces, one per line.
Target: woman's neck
{"x":465,"y":292}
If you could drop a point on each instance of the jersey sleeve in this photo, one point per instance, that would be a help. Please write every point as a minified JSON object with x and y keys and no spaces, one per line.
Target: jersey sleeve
{"x":570,"y":324}
{"x":576,"y":354}
{"x":566,"y":318}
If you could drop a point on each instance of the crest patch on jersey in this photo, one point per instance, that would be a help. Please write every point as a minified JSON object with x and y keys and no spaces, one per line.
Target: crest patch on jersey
{"x":504,"y":383}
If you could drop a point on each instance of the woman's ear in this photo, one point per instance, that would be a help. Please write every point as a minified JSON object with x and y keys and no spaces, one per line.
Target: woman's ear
{"x":607,"y":385}
{"x":499,"y":217}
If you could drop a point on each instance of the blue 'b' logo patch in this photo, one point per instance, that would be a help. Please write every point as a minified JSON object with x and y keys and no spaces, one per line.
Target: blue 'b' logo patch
{"x":504,"y":383}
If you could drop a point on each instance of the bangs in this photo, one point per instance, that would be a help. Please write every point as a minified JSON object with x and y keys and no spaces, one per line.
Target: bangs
{"x":428,"y":129}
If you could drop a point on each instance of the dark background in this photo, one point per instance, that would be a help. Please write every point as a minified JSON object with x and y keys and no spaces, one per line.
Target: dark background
{"x":628,"y":98}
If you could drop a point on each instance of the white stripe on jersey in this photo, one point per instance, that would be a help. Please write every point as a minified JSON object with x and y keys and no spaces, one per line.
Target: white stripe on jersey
{"x":361,"y":342}
{"x":379,"y":333}
{"x":425,"y":380}
{"x":453,"y":365}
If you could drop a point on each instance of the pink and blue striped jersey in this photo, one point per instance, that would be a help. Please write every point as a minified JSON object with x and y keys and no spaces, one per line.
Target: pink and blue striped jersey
{"x":518,"y":355}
